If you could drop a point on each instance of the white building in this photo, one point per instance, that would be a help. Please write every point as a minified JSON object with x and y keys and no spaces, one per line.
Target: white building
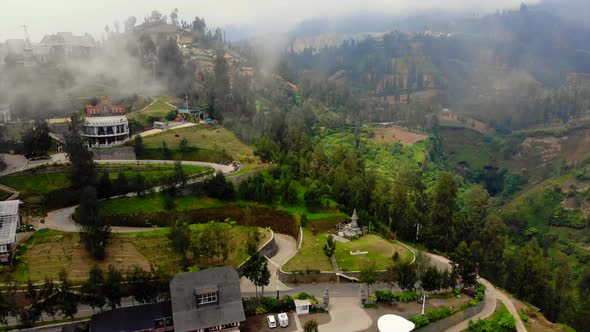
{"x":106,"y":125}
{"x":9,"y":223}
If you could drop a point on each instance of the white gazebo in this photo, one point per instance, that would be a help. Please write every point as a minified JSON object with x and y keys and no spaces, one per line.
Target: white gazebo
{"x":394,"y":323}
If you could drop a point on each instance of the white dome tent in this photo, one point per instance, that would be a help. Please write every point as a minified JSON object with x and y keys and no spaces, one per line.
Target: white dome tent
{"x":394,"y":323}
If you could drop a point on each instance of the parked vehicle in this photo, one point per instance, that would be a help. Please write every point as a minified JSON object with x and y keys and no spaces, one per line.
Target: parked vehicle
{"x":270,"y":320}
{"x":283,"y":319}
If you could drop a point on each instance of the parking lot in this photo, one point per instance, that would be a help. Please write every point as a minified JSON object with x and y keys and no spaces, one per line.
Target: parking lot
{"x":258,"y":323}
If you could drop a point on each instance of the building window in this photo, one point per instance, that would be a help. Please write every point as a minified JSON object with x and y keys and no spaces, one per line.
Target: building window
{"x":205,"y":298}
{"x":3,"y":249}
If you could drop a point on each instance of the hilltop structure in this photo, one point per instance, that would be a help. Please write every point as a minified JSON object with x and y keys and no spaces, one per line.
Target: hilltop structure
{"x":106,"y":125}
{"x":351,"y":229}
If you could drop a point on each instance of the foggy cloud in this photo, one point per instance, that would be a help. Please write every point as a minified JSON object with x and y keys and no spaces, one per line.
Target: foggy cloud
{"x":80,"y":16}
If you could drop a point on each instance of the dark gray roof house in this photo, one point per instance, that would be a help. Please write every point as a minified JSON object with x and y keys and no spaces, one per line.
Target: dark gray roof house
{"x":207,"y":300}
{"x":147,"y":317}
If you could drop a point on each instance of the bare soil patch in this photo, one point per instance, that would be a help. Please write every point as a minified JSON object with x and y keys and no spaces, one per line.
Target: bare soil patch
{"x":571,"y":203}
{"x":397,"y":135}
{"x":66,"y":252}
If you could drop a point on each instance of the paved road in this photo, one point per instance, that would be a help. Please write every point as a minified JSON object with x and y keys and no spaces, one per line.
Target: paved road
{"x":287,"y":247}
{"x":492,"y":294}
{"x":218,"y":167}
{"x":17,"y":163}
{"x":14,"y":163}
{"x":61,"y":220}
{"x":346,"y":315}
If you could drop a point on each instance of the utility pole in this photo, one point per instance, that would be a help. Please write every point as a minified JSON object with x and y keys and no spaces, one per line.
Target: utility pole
{"x":417,"y":231}
{"x":423,"y":302}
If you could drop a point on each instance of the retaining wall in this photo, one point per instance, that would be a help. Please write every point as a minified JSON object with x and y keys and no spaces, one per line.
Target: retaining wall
{"x":269,"y":249}
{"x":122,"y":153}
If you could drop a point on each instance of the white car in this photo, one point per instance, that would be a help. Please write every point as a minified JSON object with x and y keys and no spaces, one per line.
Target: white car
{"x":283,"y":319}
{"x":270,"y":320}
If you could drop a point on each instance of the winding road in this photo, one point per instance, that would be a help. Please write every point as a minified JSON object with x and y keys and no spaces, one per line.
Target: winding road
{"x":492,"y":295}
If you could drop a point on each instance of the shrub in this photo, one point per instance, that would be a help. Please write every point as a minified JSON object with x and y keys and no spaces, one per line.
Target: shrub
{"x":405,"y":297}
{"x":370,"y":306}
{"x":419,"y":321}
{"x":304,"y":296}
{"x":436,"y":315}
{"x":480,"y":292}
{"x":260,"y":310}
{"x":507,"y":321}
{"x":523,"y":315}
{"x":269,"y":303}
{"x":384,"y":296}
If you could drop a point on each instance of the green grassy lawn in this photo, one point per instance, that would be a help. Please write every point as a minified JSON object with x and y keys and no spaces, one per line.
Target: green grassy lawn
{"x":158,"y":110}
{"x":311,"y":255}
{"x":44,"y":183}
{"x":380,"y":253}
{"x":206,"y":138}
{"x":48,"y":252}
{"x":39,"y":183}
{"x":155,"y":203}
{"x":468,"y":146}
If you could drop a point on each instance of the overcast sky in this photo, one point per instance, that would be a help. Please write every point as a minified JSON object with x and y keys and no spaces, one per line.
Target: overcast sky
{"x":78,"y":16}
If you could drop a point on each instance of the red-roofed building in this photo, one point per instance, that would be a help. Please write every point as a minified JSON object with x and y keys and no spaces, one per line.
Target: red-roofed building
{"x":106,"y":125}
{"x":105,"y":108}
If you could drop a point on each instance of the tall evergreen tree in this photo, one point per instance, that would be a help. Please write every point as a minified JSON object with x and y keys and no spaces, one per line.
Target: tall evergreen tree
{"x":36,"y":140}
{"x":95,"y":232}
{"x":441,"y":230}
{"x":92,"y":288}
{"x":112,"y":288}
{"x":83,"y":167}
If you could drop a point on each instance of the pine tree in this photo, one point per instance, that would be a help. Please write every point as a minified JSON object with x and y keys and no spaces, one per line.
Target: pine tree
{"x":95,"y":232}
